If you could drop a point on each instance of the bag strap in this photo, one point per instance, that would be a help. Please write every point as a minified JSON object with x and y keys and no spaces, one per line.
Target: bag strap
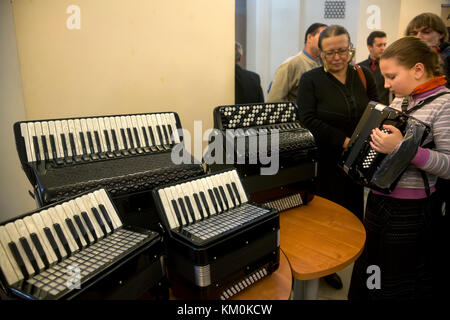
{"x":425,"y":101}
{"x":361,"y":75}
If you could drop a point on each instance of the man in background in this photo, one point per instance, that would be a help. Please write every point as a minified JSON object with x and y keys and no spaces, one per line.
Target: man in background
{"x":376,"y":43}
{"x":287,"y":77}
{"x":247,"y":85}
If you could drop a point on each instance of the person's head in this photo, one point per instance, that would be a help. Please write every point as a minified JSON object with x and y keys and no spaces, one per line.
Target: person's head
{"x":407,"y":63}
{"x":376,"y":43}
{"x":238,"y":52}
{"x":336,"y":48}
{"x":312,"y":38}
{"x":429,"y":27}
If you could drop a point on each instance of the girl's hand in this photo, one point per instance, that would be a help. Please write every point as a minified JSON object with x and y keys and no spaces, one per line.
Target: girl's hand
{"x":386,"y":142}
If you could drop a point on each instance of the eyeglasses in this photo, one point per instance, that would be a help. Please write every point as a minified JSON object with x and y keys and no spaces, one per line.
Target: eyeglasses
{"x":341,"y":52}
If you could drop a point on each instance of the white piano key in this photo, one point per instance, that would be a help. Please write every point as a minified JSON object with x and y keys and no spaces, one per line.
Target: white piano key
{"x":180,"y":193}
{"x":84,"y":130}
{"x":189,"y":192}
{"x":76,"y":137}
{"x":38,"y":132}
{"x":23,"y":232}
{"x":170,"y":117}
{"x":103,"y":198}
{"x":7,"y":267}
{"x":160,"y":123}
{"x":65,"y":131}
{"x":58,"y":146}
{"x":164,"y":124}
{"x":58,"y":137}
{"x":90,"y":127}
{"x":102,"y":129}
{"x":59,"y":216}
{"x":8,"y":256}
{"x":169,"y":213}
{"x":124,"y":123}
{"x":48,"y":223}
{"x":15,"y":236}
{"x":77,"y":211}
{"x":51,"y":257}
{"x":80,"y":203}
{"x":141,"y":126}
{"x":26,"y":138}
{"x":206,"y":187}
{"x":147,"y":125}
{"x":93,"y":201}
{"x":31,"y":134}
{"x":102,"y":147}
{"x":151,"y":119}
{"x":137,"y":124}
{"x":117,"y":127}
{"x":70,"y":215}
{"x":173,"y":195}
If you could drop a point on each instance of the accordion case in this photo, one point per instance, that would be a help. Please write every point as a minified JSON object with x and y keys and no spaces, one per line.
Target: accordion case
{"x":125,"y":154}
{"x":376,"y":170}
{"x":79,"y":249}
{"x":247,"y":131}
{"x":218,"y":243}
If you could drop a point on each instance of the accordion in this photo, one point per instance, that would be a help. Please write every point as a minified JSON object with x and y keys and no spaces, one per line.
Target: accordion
{"x":218,"y":243}
{"x":376,"y":170}
{"x":127,"y":155}
{"x":80,"y":249}
{"x":255,"y":134}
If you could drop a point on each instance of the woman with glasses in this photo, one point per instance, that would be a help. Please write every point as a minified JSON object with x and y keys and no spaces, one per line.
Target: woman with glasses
{"x":331,"y":100}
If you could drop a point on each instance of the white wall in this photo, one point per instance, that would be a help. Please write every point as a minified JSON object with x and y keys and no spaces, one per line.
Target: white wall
{"x":14,"y":198}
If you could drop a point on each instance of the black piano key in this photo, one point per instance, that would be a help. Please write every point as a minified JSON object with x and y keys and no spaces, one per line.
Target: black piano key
{"x":106,"y":216}
{"x":26,"y":247}
{"x":36,"y":149}
{"x":16,"y":254}
{"x":205,"y":203}
{"x":89,"y":224}
{"x":90,"y":142}
{"x":108,"y":142}
{"x":124,"y":138}
{"x":83,"y":231}
{"x":190,"y":208}
{"x":238,"y":197}
{"x":230,"y":192}
{"x":171,"y":133}
{"x":166,"y":133}
{"x":211,"y":195}
{"x":83,"y":143}
{"x":72,"y":144}
{"x":97,"y":140}
{"x":183,"y":210}
{"x":40,"y":249}
{"x":53,"y":244}
{"x":130,"y":137}
{"x":74,"y":232}
{"x":177,"y":212}
{"x":62,"y":238}
{"x":145,"y":136}
{"x":53,"y":145}
{"x":152,"y":136}
{"x":114,"y":138}
{"x":136,"y":134}
{"x":222,"y":192}
{"x":99,"y":220}
{"x":199,"y":205}
{"x":45,"y":148}
{"x":158,"y":130}
{"x":64,"y":145}
{"x":219,"y":199}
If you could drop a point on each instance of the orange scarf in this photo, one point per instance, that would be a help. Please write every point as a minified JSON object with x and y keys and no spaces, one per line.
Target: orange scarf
{"x":430,"y":84}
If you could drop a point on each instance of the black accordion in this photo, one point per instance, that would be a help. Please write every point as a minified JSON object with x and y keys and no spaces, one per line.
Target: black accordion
{"x":376,"y":170}
{"x":218,"y":243}
{"x":125,"y":154}
{"x":272,"y":129}
{"x":79,"y":249}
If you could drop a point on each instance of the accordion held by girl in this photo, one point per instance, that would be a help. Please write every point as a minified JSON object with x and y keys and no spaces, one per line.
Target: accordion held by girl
{"x":376,"y":170}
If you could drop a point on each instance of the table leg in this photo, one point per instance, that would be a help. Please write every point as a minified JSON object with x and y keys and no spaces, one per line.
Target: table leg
{"x":305,"y":289}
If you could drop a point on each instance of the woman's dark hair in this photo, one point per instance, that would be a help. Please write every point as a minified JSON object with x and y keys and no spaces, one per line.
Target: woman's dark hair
{"x":411,"y":50}
{"x":332,"y":31}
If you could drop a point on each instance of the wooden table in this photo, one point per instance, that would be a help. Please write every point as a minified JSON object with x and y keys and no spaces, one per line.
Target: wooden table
{"x":319,"y":239}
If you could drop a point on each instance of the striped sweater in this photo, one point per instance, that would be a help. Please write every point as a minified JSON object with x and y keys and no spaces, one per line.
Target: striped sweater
{"x":435,"y":162}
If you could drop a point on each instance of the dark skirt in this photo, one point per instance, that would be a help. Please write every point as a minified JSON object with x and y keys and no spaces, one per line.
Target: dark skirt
{"x":400,"y":241}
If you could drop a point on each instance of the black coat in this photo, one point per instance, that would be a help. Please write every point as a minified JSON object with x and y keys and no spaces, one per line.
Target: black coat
{"x":247,"y":88}
{"x":383,"y":93}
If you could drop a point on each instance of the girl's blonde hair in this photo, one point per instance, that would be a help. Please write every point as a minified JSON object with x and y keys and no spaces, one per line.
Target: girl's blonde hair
{"x":411,"y":50}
